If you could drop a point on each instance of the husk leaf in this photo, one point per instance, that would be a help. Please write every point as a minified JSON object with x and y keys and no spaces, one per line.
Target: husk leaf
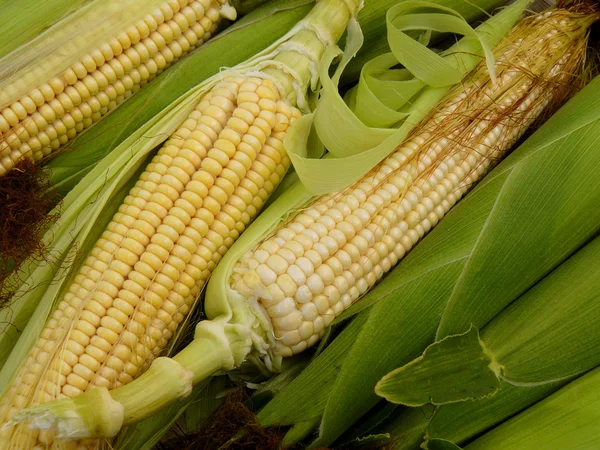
{"x":28,"y":18}
{"x":567,"y":419}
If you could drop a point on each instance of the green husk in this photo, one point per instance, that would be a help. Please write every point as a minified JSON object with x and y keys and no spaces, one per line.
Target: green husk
{"x":28,"y":18}
{"x":353,"y":134}
{"x":567,"y":419}
{"x":533,"y":346}
{"x":527,"y":216}
{"x":460,"y":422}
{"x":376,"y":39}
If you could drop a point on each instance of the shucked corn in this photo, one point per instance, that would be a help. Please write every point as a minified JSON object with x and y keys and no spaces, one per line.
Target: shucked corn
{"x":196,"y":196}
{"x":205,"y":185}
{"x":290,"y":287}
{"x":37,"y":123}
{"x":333,"y":251}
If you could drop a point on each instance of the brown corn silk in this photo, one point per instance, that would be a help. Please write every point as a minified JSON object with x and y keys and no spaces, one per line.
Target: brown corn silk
{"x":196,"y":196}
{"x":22,"y":222}
{"x":334,"y":250}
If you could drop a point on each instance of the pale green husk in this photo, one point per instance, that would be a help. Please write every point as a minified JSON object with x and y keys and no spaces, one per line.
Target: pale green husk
{"x":65,"y":43}
{"x":355,"y":147}
{"x":28,"y":18}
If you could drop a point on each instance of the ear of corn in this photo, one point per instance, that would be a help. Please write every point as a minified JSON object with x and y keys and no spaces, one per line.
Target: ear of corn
{"x":123,"y":46}
{"x":141,"y":278}
{"x":496,"y":244}
{"x":286,"y":290}
{"x":379,"y":219}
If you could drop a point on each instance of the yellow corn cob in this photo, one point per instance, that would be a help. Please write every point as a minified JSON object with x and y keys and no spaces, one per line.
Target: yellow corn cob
{"x":205,"y":185}
{"x":39,"y":122}
{"x":194,"y":199}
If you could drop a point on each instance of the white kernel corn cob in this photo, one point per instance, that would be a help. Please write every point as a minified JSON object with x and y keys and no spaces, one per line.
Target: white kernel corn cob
{"x":339,"y":246}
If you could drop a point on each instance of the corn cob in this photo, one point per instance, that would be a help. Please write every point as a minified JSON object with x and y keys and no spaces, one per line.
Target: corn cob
{"x":284,"y":292}
{"x":192,"y":202}
{"x":36,"y":122}
{"x":334,"y":250}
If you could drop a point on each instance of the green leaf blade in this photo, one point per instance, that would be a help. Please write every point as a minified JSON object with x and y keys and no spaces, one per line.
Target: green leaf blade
{"x":568,"y":419}
{"x":551,"y":332}
{"x":531,"y":230}
{"x":455,"y":369}
{"x":460,"y":422}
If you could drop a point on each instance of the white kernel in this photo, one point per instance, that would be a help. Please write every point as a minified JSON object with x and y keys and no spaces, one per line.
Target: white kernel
{"x":297,"y":274}
{"x":277,"y":264}
{"x":315,"y":284}
{"x":303,"y":294}
{"x":309,"y":312}
{"x":266,"y":275}
{"x":283,"y":308}
{"x":322,"y":303}
{"x":306,"y":265}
